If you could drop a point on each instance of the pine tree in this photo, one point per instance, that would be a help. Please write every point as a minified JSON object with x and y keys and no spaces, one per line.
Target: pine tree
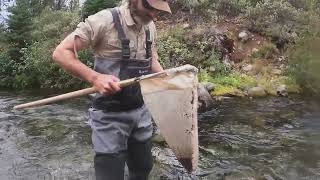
{"x":93,"y":6}
{"x":19,"y":28}
{"x":2,"y":37}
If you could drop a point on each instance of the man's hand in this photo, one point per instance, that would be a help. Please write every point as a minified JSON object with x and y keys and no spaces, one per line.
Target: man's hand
{"x":106,"y":84}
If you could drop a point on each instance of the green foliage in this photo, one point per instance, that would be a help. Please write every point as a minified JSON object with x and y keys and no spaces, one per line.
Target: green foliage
{"x":3,"y":33}
{"x":7,"y":70}
{"x":19,"y":28}
{"x":196,"y":46}
{"x":172,"y":49}
{"x":228,"y":84}
{"x":49,"y":29}
{"x":230,"y":8}
{"x":93,"y":6}
{"x":275,"y":18}
{"x":267,"y":51}
{"x":224,"y":90}
{"x":215,"y":66}
{"x":300,"y":4}
{"x":240,"y":81}
{"x":36,"y":68}
{"x":33,"y":32}
{"x":305,"y":60}
{"x":53,"y":25}
{"x":254,"y":2}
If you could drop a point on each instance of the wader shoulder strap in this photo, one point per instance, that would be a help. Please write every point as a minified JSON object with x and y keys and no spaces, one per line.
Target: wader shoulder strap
{"x":122,"y":36}
{"x":148,"y":44}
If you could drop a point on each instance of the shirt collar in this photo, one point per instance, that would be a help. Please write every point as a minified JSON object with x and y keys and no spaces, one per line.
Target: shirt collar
{"x":125,"y":10}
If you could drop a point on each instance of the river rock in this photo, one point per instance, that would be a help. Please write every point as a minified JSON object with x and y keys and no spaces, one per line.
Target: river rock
{"x":282,"y":90}
{"x":254,"y":50}
{"x":210,"y":86}
{"x":165,"y":156}
{"x":157,"y":137}
{"x":276,"y":71}
{"x":186,"y":25}
{"x":257,"y":92}
{"x":281,"y":58}
{"x":243,"y":36}
{"x":247,"y":68}
{"x":205,"y":100}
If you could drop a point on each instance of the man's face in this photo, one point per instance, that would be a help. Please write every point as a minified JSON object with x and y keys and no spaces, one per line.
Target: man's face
{"x":145,"y":12}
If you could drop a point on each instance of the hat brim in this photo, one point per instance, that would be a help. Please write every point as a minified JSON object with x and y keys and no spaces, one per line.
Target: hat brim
{"x":160,"y":5}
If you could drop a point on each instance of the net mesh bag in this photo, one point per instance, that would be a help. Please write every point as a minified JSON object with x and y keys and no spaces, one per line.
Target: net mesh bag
{"x":172,"y":100}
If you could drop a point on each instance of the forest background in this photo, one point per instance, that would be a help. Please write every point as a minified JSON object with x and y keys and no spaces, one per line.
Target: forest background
{"x":285,"y":52}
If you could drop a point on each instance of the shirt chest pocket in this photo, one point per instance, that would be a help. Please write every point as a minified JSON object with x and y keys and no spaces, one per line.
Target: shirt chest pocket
{"x":113,"y":44}
{"x":141,"y":49}
{"x":116,"y":45}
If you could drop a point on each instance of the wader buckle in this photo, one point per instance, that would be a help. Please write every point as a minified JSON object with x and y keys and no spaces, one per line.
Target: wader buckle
{"x":125,"y":48}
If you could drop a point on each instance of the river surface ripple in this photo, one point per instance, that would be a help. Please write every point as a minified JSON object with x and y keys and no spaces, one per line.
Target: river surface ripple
{"x":250,"y":139}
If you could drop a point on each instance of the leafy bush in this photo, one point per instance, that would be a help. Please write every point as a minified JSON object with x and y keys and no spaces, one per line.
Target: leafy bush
{"x":212,"y":8}
{"x":267,"y":51}
{"x":230,"y":7}
{"x":172,"y":51}
{"x":197,"y":46}
{"x":240,"y":81}
{"x":53,"y":25}
{"x":274,"y":18}
{"x":37,"y":69}
{"x":7,"y":70}
{"x":305,"y":60}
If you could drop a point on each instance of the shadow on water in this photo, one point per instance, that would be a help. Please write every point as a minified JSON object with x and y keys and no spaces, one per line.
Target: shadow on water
{"x":269,"y":138}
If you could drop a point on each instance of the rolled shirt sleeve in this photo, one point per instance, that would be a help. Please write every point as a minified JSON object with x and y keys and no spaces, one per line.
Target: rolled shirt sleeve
{"x":94,"y":28}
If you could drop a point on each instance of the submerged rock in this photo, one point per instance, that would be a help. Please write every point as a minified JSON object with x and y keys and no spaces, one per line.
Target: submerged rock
{"x":205,"y":100}
{"x":157,"y":137}
{"x":210,"y":86}
{"x":257,"y":92}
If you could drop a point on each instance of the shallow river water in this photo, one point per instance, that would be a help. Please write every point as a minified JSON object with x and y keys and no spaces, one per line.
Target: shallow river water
{"x":249,"y":139}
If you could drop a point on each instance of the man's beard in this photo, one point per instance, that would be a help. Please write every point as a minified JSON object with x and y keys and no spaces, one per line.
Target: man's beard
{"x":138,"y":17}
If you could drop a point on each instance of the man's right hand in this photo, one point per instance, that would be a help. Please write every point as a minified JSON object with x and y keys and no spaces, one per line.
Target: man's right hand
{"x":106,"y":84}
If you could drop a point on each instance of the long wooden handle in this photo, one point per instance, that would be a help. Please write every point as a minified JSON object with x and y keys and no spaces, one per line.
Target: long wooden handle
{"x":74,"y":94}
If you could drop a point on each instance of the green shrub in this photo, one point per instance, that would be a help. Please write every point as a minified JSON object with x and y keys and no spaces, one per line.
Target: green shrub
{"x":305,"y":61}
{"x":300,"y":4}
{"x":8,"y":69}
{"x":240,"y":81}
{"x":54,"y":25}
{"x":36,"y":68}
{"x":273,"y":18}
{"x":267,"y":51}
{"x":195,"y":46}
{"x":229,"y":8}
{"x":173,"y":52}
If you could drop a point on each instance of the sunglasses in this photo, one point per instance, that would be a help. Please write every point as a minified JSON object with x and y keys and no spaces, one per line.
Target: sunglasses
{"x":147,"y":5}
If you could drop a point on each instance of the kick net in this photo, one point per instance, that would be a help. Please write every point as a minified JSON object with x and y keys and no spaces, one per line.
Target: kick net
{"x":172,"y":100}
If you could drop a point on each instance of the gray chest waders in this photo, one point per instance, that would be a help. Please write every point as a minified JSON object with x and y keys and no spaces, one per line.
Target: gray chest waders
{"x":121,"y":124}
{"x":125,"y":67}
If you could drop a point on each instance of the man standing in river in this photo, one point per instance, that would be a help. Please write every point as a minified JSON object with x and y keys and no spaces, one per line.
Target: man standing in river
{"x":123,"y":41}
